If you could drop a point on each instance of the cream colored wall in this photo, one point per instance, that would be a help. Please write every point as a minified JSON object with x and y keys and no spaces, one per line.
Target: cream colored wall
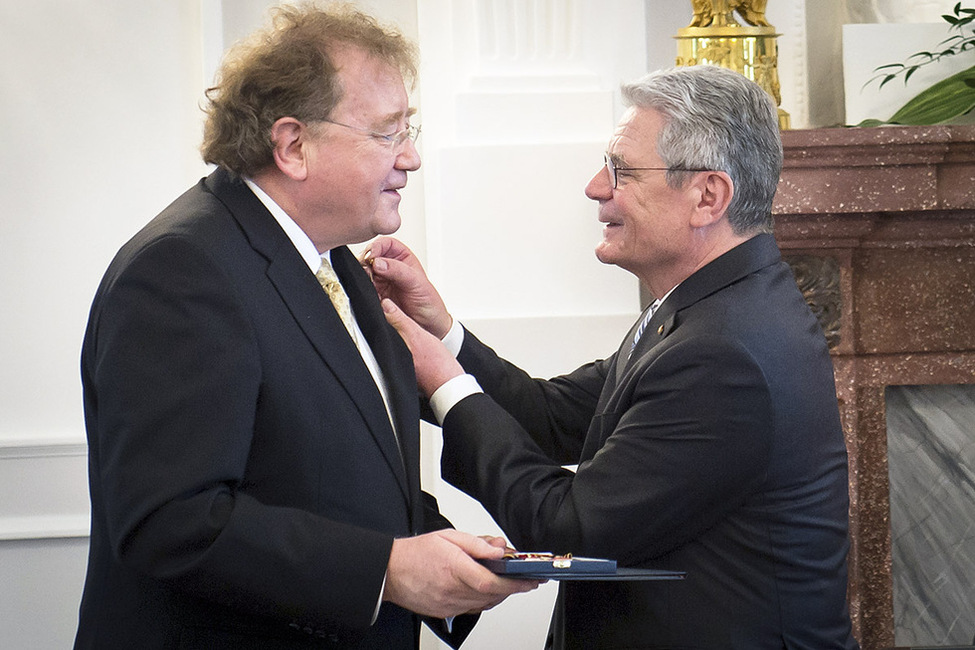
{"x":99,"y":126}
{"x":518,"y":100}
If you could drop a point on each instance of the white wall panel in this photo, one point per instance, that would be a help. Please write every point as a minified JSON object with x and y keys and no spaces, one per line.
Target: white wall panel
{"x":41,"y":589}
{"x":519,"y":101}
{"x":99,"y":122}
{"x":520,"y":238}
{"x":43,"y":489}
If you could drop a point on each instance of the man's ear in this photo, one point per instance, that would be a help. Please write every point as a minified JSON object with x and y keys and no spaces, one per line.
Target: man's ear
{"x":289,"y":137}
{"x":715,"y":190}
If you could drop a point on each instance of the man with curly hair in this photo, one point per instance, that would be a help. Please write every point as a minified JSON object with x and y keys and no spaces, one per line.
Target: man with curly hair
{"x":252,"y":419}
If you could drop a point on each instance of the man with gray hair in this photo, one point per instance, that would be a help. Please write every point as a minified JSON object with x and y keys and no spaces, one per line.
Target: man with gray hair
{"x":710,"y":442}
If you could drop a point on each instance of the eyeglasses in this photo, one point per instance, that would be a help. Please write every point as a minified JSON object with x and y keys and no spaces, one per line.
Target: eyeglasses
{"x":614,"y":170}
{"x":394,"y":140}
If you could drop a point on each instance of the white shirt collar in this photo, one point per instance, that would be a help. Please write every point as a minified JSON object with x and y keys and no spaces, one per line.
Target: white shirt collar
{"x":659,"y":301}
{"x":294,"y":232}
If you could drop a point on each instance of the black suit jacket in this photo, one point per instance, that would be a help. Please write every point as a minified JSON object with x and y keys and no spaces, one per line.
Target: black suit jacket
{"x":716,"y":449}
{"x":246,"y":484}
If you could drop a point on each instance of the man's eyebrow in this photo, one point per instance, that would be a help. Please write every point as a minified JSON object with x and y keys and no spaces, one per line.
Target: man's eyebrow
{"x":393,"y":118}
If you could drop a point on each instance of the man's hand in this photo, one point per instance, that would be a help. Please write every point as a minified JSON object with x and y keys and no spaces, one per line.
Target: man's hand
{"x":436,"y":575}
{"x":399,"y":276}
{"x":434,"y":363}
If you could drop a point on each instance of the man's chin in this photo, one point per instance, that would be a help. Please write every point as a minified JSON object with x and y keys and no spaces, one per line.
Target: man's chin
{"x":388,"y":225}
{"x":605,"y":253}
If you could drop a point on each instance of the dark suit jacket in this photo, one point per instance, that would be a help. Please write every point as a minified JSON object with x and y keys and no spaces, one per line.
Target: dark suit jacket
{"x":716,"y":449}
{"x":246,"y":485}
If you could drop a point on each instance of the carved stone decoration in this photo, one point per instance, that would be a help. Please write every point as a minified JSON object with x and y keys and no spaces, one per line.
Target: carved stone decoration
{"x":819,"y":281}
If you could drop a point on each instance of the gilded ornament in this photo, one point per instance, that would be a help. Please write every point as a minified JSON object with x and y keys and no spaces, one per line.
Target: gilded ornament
{"x":716,"y":37}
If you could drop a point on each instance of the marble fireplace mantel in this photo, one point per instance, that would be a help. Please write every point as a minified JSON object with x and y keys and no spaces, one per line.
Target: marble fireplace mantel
{"x":879,"y":226}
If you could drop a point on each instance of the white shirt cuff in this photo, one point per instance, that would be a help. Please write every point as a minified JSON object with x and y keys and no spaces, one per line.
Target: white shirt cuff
{"x":379,"y":603}
{"x":453,"y":391}
{"x":454,"y":338}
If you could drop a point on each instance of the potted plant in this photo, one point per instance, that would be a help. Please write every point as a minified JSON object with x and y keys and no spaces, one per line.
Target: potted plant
{"x":947,"y":99}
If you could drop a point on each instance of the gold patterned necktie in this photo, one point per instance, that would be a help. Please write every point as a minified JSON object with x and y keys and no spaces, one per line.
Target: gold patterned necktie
{"x":330,"y":282}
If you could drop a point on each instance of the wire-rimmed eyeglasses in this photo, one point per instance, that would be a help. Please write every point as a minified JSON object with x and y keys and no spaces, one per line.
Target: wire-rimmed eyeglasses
{"x":613,"y":170}
{"x":394,"y":140}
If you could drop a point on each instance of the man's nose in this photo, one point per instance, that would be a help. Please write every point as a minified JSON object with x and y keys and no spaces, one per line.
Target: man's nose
{"x":599,"y":187}
{"x":408,"y":157}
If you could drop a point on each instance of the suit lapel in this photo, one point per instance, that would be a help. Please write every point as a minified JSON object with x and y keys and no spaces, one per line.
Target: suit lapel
{"x":393,"y":356}
{"x":657,"y":329}
{"x":311,"y":309}
{"x":746,"y":258}
{"x":627,"y":352}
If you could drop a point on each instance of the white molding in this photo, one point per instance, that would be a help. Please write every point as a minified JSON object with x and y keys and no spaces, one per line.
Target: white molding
{"x":512,"y":35}
{"x":43,"y":486}
{"x":26,"y":447}
{"x":44,"y":527}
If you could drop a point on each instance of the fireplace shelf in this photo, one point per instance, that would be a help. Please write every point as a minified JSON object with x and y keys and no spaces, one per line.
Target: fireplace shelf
{"x":879,"y":227}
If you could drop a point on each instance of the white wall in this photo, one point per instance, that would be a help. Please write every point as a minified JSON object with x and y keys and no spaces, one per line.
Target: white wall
{"x":518,"y":100}
{"x":98,"y":122}
{"x":99,"y":125}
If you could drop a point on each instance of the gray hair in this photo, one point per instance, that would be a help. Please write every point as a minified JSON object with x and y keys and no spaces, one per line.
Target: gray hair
{"x":717,"y":119}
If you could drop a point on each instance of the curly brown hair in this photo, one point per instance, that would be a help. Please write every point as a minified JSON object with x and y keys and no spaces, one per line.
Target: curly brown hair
{"x":285,"y":70}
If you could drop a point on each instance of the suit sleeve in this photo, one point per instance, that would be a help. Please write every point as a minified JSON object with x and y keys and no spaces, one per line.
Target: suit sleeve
{"x":173,"y":376}
{"x":555,"y":412}
{"x":688,"y":445}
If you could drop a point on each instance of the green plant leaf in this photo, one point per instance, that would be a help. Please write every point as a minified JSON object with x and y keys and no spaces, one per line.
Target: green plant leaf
{"x":954,"y":44}
{"x":947,"y":99}
{"x":889,"y":77}
{"x":871,"y":122}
